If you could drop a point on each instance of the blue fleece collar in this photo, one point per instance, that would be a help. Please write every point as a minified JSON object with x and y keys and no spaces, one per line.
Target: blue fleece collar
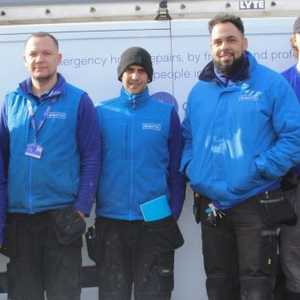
{"x":134,"y":100}
{"x":25,"y":87}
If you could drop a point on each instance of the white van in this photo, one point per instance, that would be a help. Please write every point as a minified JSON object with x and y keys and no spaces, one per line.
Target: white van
{"x":179,"y":49}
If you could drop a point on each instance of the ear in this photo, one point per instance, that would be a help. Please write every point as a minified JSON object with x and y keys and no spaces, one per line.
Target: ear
{"x":293,"y":41}
{"x":25,"y":61}
{"x":59,"y":58}
{"x":294,"y":45}
{"x":245,"y":44}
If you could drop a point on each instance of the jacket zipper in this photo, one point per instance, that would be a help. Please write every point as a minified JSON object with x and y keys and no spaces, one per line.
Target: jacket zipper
{"x":30,"y":186}
{"x":29,"y":196}
{"x":131,"y":136}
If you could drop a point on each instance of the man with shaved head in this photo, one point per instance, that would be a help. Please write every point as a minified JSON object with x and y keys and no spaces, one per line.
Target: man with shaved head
{"x":50,"y":138}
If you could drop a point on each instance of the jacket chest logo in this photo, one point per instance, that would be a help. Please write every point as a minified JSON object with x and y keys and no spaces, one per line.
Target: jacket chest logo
{"x":57,"y":115}
{"x":248,"y":94}
{"x":151,"y":126}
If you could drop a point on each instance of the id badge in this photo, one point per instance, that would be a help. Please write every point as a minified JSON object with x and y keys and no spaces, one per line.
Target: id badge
{"x":34,"y":150}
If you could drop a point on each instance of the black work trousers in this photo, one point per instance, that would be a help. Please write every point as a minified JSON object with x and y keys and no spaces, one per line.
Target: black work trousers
{"x":132,"y":255}
{"x":290,"y":247}
{"x":240,"y":254}
{"x":39,"y":264}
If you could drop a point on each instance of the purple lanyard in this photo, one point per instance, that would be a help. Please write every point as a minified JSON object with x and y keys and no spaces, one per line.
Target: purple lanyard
{"x":37,"y":128}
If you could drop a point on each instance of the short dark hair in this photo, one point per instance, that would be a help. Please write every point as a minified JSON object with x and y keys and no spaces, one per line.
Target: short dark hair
{"x":43,"y":34}
{"x":226,"y":18}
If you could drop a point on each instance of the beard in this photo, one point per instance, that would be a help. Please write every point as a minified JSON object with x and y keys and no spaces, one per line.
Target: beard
{"x":229,"y":69}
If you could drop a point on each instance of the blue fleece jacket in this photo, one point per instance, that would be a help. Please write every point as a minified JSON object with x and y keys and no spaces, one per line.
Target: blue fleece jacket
{"x":142,"y":145}
{"x":68,"y":169}
{"x":292,"y":75}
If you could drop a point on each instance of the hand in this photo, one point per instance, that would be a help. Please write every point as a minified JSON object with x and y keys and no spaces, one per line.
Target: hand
{"x":81,"y":214}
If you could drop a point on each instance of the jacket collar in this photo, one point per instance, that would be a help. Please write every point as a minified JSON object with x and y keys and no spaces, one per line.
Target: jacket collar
{"x":208,"y":73}
{"x":134,"y":100}
{"x":25,"y":88}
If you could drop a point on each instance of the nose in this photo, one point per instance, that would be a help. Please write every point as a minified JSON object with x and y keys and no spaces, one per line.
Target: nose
{"x":39,"y":57}
{"x":224,"y":45}
{"x":135,"y":75}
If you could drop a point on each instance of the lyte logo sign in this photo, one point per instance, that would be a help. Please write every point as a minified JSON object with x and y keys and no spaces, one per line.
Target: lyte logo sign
{"x":252,"y":4}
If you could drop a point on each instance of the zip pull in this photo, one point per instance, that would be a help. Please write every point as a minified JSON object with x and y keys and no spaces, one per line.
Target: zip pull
{"x":133,"y":103}
{"x":267,"y":195}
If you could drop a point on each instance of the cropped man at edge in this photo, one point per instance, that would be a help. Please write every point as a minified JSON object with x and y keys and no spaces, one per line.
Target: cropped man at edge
{"x":242,"y":133}
{"x":141,"y":192}
{"x":3,"y":197}
{"x":290,"y":235}
{"x":50,"y":137}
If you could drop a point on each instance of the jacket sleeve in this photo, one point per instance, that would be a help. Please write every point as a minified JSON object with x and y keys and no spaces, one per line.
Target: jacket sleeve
{"x":285,"y":152}
{"x":187,"y":140}
{"x":88,"y":140}
{"x":176,"y":181}
{"x":4,"y":156}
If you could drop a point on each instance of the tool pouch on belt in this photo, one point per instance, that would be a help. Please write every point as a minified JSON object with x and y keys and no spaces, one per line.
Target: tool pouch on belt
{"x":69,"y":225}
{"x":277,"y":209}
{"x":165,"y":234}
{"x":162,"y":227}
{"x":90,"y":238}
{"x":197,"y":207}
{"x":9,"y":244}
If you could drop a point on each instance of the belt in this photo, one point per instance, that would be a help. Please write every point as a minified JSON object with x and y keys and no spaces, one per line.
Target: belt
{"x":266,"y":195}
{"x":23,"y":217}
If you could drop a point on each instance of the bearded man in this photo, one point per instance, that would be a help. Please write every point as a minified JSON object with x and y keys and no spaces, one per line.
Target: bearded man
{"x":241,"y":132}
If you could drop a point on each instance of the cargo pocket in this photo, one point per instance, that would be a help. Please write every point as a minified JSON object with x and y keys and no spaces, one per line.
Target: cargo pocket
{"x":164,"y":237}
{"x":269,"y":256}
{"x":279,"y":210}
{"x":165,"y":269}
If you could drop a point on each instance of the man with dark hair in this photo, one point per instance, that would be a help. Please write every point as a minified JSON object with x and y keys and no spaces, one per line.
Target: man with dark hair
{"x":290,"y":235}
{"x":225,"y":18}
{"x":50,"y":138}
{"x":242,"y":133}
{"x":140,"y":192}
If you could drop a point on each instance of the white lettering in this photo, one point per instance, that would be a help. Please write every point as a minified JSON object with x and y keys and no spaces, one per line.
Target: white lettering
{"x":151,"y":126}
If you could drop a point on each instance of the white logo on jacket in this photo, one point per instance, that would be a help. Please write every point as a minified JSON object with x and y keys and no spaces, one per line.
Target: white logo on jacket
{"x":248,"y":94}
{"x":57,"y":115}
{"x":151,"y":126}
{"x":252,"y":96}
